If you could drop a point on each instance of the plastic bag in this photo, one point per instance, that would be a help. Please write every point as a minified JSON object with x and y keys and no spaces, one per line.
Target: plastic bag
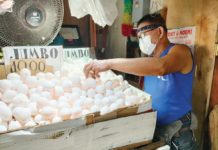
{"x":103,"y":12}
{"x":6,"y":6}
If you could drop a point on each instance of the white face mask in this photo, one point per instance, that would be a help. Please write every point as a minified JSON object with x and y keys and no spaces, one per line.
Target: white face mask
{"x":146,"y":46}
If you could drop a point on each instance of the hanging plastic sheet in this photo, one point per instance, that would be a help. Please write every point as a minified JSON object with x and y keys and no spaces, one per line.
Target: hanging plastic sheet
{"x":6,"y":6}
{"x":103,"y":12}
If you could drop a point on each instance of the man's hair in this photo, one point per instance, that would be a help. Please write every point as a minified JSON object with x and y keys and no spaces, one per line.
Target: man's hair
{"x":154,"y":18}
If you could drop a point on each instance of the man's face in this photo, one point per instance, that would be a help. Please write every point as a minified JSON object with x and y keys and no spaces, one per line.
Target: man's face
{"x":154,"y":32}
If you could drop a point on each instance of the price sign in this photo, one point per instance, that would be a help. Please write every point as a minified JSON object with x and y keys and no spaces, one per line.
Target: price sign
{"x":19,"y":57}
{"x":34,"y":65}
{"x":78,"y":53}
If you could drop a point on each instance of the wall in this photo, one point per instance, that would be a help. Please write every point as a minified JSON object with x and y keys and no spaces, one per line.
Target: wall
{"x":116,"y":42}
{"x":204,"y":15}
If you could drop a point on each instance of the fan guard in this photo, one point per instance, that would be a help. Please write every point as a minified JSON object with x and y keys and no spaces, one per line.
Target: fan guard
{"x":32,"y":22}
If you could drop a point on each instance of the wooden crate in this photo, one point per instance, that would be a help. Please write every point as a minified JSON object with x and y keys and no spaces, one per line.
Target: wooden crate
{"x":118,"y":133}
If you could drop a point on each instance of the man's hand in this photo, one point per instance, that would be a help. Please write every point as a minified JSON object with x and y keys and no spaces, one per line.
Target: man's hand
{"x":93,"y":68}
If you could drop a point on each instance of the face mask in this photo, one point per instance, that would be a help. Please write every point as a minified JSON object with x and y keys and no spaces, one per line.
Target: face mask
{"x":146,"y":46}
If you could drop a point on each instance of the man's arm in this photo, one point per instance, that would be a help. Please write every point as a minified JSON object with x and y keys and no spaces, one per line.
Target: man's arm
{"x":178,"y":59}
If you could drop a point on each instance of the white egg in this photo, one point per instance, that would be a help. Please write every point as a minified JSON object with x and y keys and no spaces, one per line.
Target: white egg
{"x":114,"y":106}
{"x":66,"y":84}
{"x":48,"y":112}
{"x":44,"y":122}
{"x":53,"y":103}
{"x":131,"y":100}
{"x":16,"y":84}
{"x":42,"y":102}
{"x":57,"y":74}
{"x":0,"y":120}
{"x":32,"y":81}
{"x":75,"y":96}
{"x":119,"y":94}
{"x":65,"y":113}
{"x":98,"y":102}
{"x":40,"y":75}
{"x":104,"y":110}
{"x":5,"y":85}
{"x":90,"y":83}
{"x":108,"y":85}
{"x":46,"y":94}
{"x":23,"y":89}
{"x":100,"y":89}
{"x":58,"y":91}
{"x":109,"y":93}
{"x":56,"y":119}
{"x":24,"y":73}
{"x":30,"y":123}
{"x":20,"y":100}
{"x":13,"y":76}
{"x":76,"y":111}
{"x":63,"y":104}
{"x":91,"y":93}
{"x":128,"y":92}
{"x":49,"y":76}
{"x":76,"y":81}
{"x":13,"y":125}
{"x":5,"y":112}
{"x":8,"y":96}
{"x":77,"y":90}
{"x":120,"y":102}
{"x":38,"y":118}
{"x":3,"y":128}
{"x":22,"y":114}
{"x":85,"y":112}
{"x":34,"y":97}
{"x":94,"y":108}
{"x":106,"y":101}
{"x":33,"y":108}
{"x":120,"y":78}
{"x":79,"y":102}
{"x":89,"y":101}
{"x":99,"y":96}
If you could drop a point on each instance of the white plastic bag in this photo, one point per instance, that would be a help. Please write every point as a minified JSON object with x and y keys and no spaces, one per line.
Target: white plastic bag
{"x":103,"y":12}
{"x":6,"y":6}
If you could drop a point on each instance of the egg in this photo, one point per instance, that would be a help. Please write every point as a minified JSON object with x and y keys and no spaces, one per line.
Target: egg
{"x":58,"y":91}
{"x":48,"y":112}
{"x":3,"y":128}
{"x":104,"y":110}
{"x":89,"y":101}
{"x":67,"y":85}
{"x":77,"y":90}
{"x":30,"y":123}
{"x":38,"y":118}
{"x":33,"y":108}
{"x":23,"y":89}
{"x":14,"y":125}
{"x":13,"y":76}
{"x":91,"y":93}
{"x":5,"y":112}
{"x":24,"y":73}
{"x":65,"y":113}
{"x":128,"y":92}
{"x":40,"y":75}
{"x":34,"y":97}
{"x":85,"y":112}
{"x":8,"y":96}
{"x":20,"y":100}
{"x":76,"y":81}
{"x":22,"y":114}
{"x":5,"y":85}
{"x":99,"y":96}
{"x":46,"y":95}
{"x":0,"y":120}
{"x":108,"y":85}
{"x":94,"y":108}
{"x":120,"y":102}
{"x":106,"y":101}
{"x":56,"y":119}
{"x":109,"y":92}
{"x":114,"y":106}
{"x":49,"y":76}
{"x":90,"y":83}
{"x":32,"y":81}
{"x":16,"y":84}
{"x":100,"y":89}
{"x":42,"y":102}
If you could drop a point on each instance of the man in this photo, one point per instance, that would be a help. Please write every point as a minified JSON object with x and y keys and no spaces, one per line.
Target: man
{"x":168,"y":75}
